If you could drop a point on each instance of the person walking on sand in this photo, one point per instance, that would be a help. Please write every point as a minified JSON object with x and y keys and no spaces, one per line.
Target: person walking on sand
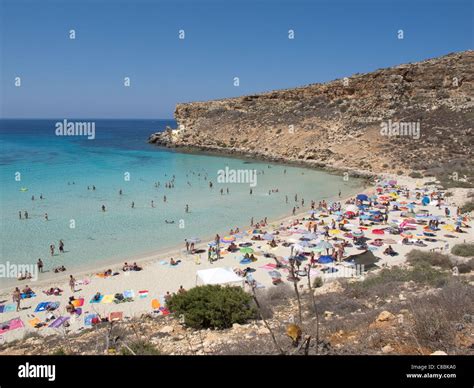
{"x":17,"y":298}
{"x":294,"y":210}
{"x":340,"y":193}
{"x":187,"y":245}
{"x":40,"y":265}
{"x":61,"y":246}
{"x":72,"y":283}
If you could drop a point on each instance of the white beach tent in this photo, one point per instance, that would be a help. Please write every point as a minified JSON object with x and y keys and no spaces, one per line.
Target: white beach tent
{"x":218,"y":276}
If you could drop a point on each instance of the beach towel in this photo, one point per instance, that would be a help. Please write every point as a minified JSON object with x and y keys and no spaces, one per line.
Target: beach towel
{"x":12,"y":324}
{"x":143,"y":294}
{"x":52,"y":306}
{"x":245,"y":261}
{"x":129,"y":294}
{"x":155,"y":304}
{"x":88,"y":319}
{"x":27,"y":296}
{"x":98,"y":300}
{"x":116,"y":316}
{"x":163,"y":262}
{"x":109,"y":298}
{"x":59,"y":322}
{"x":268,"y":266}
{"x":36,"y":323}
{"x":2,"y":307}
{"x":78,"y":302}
{"x":78,"y":311}
{"x":41,"y":307}
{"x":9,"y":308}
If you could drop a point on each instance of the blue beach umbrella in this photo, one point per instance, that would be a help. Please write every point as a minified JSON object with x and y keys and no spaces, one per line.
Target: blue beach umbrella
{"x":326,"y":259}
{"x":362,"y":197}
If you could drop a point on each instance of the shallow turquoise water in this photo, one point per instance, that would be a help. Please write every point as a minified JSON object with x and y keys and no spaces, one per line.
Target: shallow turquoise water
{"x":48,"y":162}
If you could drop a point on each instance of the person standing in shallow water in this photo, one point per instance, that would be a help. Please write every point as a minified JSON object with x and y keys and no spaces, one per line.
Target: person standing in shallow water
{"x":19,"y":214}
{"x":51,"y":249}
{"x":26,"y":214}
{"x":40,"y":265}
{"x":133,"y":204}
{"x":103,"y":208}
{"x":61,"y":246}
{"x":187,"y":208}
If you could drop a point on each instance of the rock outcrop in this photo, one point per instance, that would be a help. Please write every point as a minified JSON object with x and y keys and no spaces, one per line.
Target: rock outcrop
{"x":340,"y":124}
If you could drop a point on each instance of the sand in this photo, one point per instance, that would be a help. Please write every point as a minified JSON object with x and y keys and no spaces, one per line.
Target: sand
{"x":158,"y":277}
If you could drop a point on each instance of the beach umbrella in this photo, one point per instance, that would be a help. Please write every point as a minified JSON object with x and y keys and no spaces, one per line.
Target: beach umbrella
{"x":268,"y":236}
{"x":301,"y":245}
{"x":285,"y":233}
{"x":324,"y":245}
{"x":228,"y":239}
{"x":362,"y":197}
{"x":334,"y":232}
{"x":246,"y":250}
{"x":392,"y":182}
{"x":193,"y":240}
{"x":358,"y":233}
{"x":212,"y":244}
{"x":426,"y":200}
{"x":349,"y":213}
{"x":364,"y":216}
{"x":411,"y":206}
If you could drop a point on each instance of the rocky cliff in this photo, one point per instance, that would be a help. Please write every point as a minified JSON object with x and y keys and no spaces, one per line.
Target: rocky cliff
{"x":416,"y":116}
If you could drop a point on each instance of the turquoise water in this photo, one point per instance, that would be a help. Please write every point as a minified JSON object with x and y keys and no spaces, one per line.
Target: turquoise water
{"x":49,"y":165}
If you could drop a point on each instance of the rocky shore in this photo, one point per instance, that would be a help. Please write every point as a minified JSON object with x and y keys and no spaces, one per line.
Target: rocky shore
{"x":342,"y":124}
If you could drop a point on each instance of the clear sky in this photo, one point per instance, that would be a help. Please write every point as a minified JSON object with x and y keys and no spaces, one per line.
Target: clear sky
{"x":61,"y":77}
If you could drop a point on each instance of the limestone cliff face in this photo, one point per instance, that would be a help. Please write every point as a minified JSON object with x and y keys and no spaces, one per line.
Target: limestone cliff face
{"x":339,"y":124}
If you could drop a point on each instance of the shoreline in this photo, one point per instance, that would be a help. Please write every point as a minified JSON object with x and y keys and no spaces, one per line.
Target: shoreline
{"x":149,"y":257}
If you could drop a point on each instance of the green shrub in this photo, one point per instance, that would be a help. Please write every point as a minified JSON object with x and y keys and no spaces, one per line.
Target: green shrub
{"x":436,"y":259}
{"x":464,"y":250}
{"x":213,"y":306}
{"x":317,"y":282}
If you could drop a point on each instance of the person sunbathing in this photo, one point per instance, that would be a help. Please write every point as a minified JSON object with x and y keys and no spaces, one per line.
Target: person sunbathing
{"x":174,"y":262}
{"x":59,"y":269}
{"x":136,"y":267}
{"x":389,"y":251}
{"x":126,"y":267}
{"x":252,"y":257}
{"x":273,"y":244}
{"x":232,"y":247}
{"x":97,"y":297}
{"x":27,"y":291}
{"x":70,"y":308}
{"x":53,"y":291}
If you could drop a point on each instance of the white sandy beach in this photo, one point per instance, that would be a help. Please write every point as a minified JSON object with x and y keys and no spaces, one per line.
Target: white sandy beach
{"x":158,"y":277}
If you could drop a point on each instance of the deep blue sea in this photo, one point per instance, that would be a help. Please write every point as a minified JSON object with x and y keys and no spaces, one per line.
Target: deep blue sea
{"x":34,"y":161}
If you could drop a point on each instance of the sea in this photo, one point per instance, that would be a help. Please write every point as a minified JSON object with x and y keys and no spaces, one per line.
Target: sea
{"x":62,"y":169}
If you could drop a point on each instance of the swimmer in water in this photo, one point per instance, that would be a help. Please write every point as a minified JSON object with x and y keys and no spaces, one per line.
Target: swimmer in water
{"x":133,"y":205}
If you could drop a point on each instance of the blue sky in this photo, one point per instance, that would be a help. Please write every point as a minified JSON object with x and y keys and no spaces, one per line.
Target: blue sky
{"x":224,"y":39}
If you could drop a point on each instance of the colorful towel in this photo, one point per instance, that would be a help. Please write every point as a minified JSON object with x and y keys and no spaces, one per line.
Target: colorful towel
{"x":128,"y":294}
{"x":78,"y":302}
{"x":2,"y":307}
{"x":143,"y":294}
{"x":88,"y":319}
{"x":59,"y":322}
{"x":27,"y":296}
{"x":98,"y":300}
{"x":9,"y":308}
{"x":116,"y":316}
{"x":268,"y":266}
{"x":35,"y":322}
{"x":41,"y":307}
{"x":78,"y":311}
{"x":12,"y":324}
{"x":109,"y":298}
